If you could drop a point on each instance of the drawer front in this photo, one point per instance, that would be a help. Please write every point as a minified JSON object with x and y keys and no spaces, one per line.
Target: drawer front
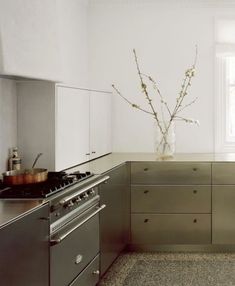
{"x":171,"y":199}
{"x":223,"y":173}
{"x":89,"y":276}
{"x":223,"y":215}
{"x":171,"y":229}
{"x":170,"y":173}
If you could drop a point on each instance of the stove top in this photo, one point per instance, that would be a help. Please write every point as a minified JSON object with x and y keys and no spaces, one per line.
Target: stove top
{"x":56,"y":182}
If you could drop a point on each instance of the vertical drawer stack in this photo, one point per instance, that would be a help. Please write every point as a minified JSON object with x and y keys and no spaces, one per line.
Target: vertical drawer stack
{"x":170,"y":203}
{"x":223,"y":203}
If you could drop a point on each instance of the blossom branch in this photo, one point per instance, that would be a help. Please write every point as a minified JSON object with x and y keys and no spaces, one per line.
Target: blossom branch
{"x":158,"y":91}
{"x":128,"y":101}
{"x":187,"y":105}
{"x":145,"y":91}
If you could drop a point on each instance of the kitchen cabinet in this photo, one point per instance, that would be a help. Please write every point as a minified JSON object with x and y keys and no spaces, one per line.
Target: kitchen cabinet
{"x":170,"y":203}
{"x":115,"y":218}
{"x":58,"y":121}
{"x":24,"y":249}
{"x":223,"y":202}
{"x":100,"y":124}
{"x":71,"y":127}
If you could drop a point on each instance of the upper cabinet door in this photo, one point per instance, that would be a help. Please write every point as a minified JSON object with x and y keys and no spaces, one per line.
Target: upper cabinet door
{"x":100,"y":126}
{"x":29,"y":39}
{"x":72,"y":127}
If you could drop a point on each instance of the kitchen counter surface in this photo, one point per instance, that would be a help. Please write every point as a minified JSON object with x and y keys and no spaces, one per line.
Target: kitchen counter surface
{"x":108,"y":162}
{"x":12,"y":209}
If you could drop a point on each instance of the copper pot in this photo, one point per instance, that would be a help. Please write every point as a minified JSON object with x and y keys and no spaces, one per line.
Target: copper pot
{"x":27,"y":176}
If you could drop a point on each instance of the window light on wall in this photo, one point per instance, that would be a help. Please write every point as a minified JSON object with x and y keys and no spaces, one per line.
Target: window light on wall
{"x":225,"y":86}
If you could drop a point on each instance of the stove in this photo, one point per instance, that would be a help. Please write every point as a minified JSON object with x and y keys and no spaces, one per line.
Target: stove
{"x":56,"y":182}
{"x":74,"y":205}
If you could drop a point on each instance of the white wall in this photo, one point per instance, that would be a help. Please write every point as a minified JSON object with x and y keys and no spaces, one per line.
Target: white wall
{"x":164,"y":33}
{"x":8,"y":120}
{"x":72,"y":31}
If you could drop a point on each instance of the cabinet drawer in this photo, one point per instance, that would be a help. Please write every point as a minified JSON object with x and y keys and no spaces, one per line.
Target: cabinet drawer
{"x":89,"y":276}
{"x":170,"y":173}
{"x":171,"y":229}
{"x":171,"y":199}
{"x":223,"y":173}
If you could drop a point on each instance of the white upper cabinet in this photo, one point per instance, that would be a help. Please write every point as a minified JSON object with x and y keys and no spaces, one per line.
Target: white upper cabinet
{"x":64,"y":123}
{"x":29,"y":42}
{"x":100,"y":123}
{"x":72,"y":127}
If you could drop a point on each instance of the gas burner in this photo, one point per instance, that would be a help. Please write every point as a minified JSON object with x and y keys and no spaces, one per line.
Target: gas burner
{"x":56,"y":182}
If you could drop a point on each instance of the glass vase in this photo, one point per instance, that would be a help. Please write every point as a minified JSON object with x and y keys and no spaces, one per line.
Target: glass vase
{"x":164,"y":140}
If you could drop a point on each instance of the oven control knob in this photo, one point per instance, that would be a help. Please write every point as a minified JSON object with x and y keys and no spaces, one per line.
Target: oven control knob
{"x":91,"y":192}
{"x":70,"y":204}
{"x":77,"y":200}
{"x":84,"y":196}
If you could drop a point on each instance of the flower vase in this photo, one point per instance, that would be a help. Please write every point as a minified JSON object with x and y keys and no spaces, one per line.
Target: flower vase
{"x":164,"y":140}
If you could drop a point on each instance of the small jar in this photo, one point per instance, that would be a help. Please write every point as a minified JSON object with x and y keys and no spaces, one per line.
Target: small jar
{"x":14,"y":160}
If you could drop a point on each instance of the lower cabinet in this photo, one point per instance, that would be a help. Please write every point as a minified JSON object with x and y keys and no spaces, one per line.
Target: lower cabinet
{"x":223,"y":214}
{"x":24,"y":249}
{"x":171,"y":228}
{"x":115,"y":218}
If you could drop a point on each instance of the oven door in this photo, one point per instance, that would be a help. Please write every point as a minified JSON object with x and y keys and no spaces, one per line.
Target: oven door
{"x":74,"y":246}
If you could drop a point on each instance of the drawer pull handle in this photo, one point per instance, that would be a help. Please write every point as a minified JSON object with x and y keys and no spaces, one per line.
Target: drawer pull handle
{"x":78,"y":259}
{"x":146,"y":220}
{"x":96,"y":272}
{"x":146,"y":191}
{"x":195,"y":220}
{"x":146,"y":169}
{"x":194,"y":169}
{"x":194,"y":191}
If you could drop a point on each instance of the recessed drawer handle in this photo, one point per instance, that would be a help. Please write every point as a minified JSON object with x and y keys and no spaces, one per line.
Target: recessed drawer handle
{"x":146,"y":192}
{"x":146,"y":220}
{"x":194,"y":191}
{"x":146,"y":169}
{"x":78,"y":259}
{"x":96,"y":272}
{"x":194,"y":169}
{"x":195,"y":220}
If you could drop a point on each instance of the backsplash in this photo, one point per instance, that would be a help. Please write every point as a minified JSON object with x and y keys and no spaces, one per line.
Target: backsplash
{"x":8,"y":120}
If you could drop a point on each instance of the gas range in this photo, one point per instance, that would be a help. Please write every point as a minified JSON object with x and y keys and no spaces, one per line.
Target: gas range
{"x":56,"y":182}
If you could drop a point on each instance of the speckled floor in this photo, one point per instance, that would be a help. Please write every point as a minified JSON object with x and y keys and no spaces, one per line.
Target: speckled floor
{"x":171,"y":269}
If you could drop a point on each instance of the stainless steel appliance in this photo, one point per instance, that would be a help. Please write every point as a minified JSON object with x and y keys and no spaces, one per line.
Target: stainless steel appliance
{"x":74,"y":224}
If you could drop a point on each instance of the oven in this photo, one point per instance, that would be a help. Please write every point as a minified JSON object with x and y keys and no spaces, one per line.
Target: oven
{"x":74,"y":238}
{"x":74,"y":224}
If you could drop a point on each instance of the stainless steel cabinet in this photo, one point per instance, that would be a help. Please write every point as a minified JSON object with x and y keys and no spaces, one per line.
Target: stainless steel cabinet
{"x":223,"y":203}
{"x":223,"y":173}
{"x":171,"y":173}
{"x":171,"y":228}
{"x":115,"y":219}
{"x":24,"y":249}
{"x":170,"y":203}
{"x":170,"y":199}
{"x":223,"y":214}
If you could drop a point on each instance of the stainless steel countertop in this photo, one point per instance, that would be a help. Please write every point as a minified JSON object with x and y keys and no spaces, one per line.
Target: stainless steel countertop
{"x":12,"y":209}
{"x":108,"y":162}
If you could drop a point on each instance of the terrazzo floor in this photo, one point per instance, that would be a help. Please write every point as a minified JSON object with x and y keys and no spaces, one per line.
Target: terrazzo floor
{"x":171,"y":269}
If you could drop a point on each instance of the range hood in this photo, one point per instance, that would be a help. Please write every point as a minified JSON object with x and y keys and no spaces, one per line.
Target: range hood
{"x":18,"y":77}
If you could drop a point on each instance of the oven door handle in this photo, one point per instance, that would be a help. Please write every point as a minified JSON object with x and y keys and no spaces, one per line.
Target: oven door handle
{"x":63,"y":236}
